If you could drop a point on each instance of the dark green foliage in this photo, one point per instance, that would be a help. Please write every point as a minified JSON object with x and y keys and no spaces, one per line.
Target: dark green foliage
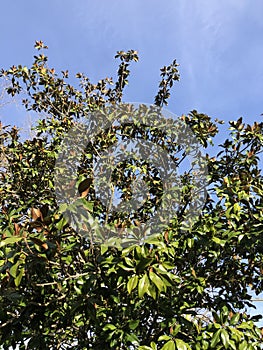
{"x":183,"y":289}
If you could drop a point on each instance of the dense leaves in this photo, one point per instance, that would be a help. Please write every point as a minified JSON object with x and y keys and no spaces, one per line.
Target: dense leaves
{"x":185,"y":288}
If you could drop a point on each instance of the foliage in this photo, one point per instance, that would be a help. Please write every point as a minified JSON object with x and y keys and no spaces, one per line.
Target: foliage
{"x":185,"y":288}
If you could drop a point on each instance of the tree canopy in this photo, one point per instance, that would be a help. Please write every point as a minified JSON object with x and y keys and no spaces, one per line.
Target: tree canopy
{"x":185,"y":287}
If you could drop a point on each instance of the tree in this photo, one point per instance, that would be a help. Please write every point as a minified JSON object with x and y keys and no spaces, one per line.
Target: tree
{"x":184,"y":288}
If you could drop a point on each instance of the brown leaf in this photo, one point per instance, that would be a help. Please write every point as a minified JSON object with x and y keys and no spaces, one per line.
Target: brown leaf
{"x":36,"y":214}
{"x":17,"y":229}
{"x":84,"y":187}
{"x":166,"y":236}
{"x":44,"y":210}
{"x":250,"y":154}
{"x":40,"y":243}
{"x":45,"y":246}
{"x":37,"y":241}
{"x":37,"y":225}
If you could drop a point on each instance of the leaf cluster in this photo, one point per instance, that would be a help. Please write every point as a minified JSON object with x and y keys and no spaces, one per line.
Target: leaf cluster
{"x":183,"y":288}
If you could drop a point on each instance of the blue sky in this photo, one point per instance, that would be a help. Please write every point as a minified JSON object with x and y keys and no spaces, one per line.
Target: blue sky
{"x":218,"y":44}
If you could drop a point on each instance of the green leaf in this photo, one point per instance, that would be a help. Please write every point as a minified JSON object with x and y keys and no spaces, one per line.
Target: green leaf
{"x":134,"y":324}
{"x":10,"y":240}
{"x":234,"y":320}
{"x":153,"y":345}
{"x":143,"y":263}
{"x":13,"y":269}
{"x":143,"y":285}
{"x":110,"y":327}
{"x":164,"y":337}
{"x":88,"y":205}
{"x":152,"y":291}
{"x":19,"y":277}
{"x":215,"y":338}
{"x":157,"y":281}
{"x":103,"y":248}
{"x":61,"y":223}
{"x":132,"y":283}
{"x":181,"y":345}
{"x":219,"y":241}
{"x":243,"y":345}
{"x":170,"y":345}
{"x":236,"y":208}
{"x":232,"y":344}
{"x":225,"y":338}
{"x":124,"y":267}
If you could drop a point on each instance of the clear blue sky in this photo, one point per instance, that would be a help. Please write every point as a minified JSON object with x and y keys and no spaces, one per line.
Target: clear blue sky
{"x":219,"y":45}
